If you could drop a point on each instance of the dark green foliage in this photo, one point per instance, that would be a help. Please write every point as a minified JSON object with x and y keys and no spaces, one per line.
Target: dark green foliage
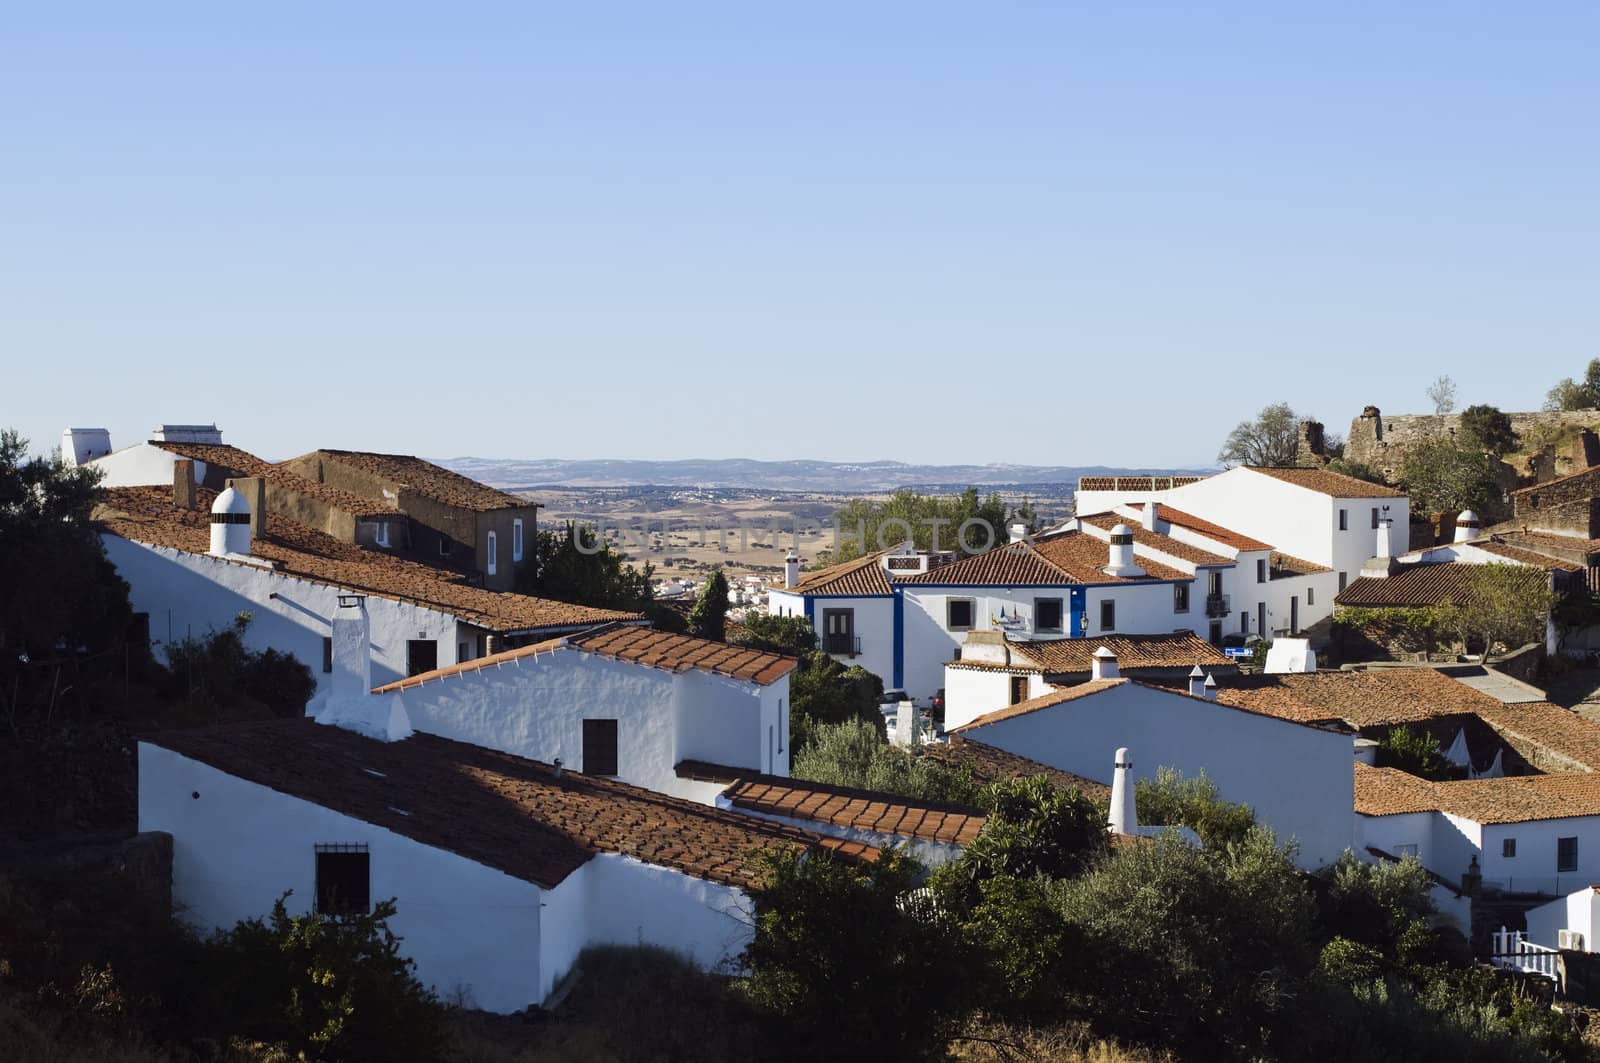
{"x":572,"y":566}
{"x":1170,"y":800}
{"x":1448,"y":476}
{"x":1569,"y":394}
{"x":823,"y":691}
{"x":1360,"y":470}
{"x":1416,"y":752}
{"x":853,"y":753}
{"x":709,"y":617}
{"x":335,"y":988}
{"x":1199,"y":951}
{"x":866,"y":525}
{"x":845,"y":969}
{"x":1383,"y":908}
{"x":1486,"y":428}
{"x":217,"y":675}
{"x":1022,"y":950}
{"x":777,"y":634}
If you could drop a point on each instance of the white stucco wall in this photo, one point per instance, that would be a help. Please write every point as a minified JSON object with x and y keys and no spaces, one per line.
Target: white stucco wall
{"x":141,"y":465}
{"x":1534,"y":866}
{"x":1299,"y":780}
{"x":534,"y":706}
{"x":192,"y":594}
{"x":1578,"y":910}
{"x":624,"y":901}
{"x":239,"y":846}
{"x":971,"y":692}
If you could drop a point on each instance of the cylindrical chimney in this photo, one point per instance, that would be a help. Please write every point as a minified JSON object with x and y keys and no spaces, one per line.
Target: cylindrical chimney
{"x":1103,"y":664}
{"x":1124,"y":816}
{"x":230,"y":524}
{"x":1468,"y":526}
{"x":1197,"y":682}
{"x":791,"y":570}
{"x":1382,"y":548}
{"x":1120,"y":560}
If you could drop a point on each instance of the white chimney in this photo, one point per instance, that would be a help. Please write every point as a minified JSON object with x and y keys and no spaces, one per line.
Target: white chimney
{"x":1120,"y":562}
{"x":1124,"y":816}
{"x":1151,"y":515}
{"x":230,"y":525}
{"x":1017,"y":532}
{"x":1382,"y":549}
{"x":80,"y":446}
{"x":1209,"y":691}
{"x":791,"y":570}
{"x":1197,"y":682}
{"x":351,"y":703}
{"x":1468,"y":526}
{"x":1103,"y":664}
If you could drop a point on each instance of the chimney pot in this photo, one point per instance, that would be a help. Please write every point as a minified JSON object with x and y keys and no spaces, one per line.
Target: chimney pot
{"x":1197,"y":682}
{"x":791,"y":570}
{"x":1120,"y":558}
{"x":1468,"y":526}
{"x":1124,"y":815}
{"x":1103,"y":664}
{"x":1210,"y":688}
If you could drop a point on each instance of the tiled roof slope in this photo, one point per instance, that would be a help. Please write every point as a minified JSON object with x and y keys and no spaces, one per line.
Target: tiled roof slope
{"x":426,"y":478}
{"x":1378,"y":697}
{"x":244,"y":463}
{"x":146,"y":514}
{"x":866,"y":810}
{"x":1510,"y":799}
{"x":1535,"y":728}
{"x":499,"y":810}
{"x":863,"y":577}
{"x":1414,"y":586}
{"x":1062,"y":559}
{"x":1324,"y":482}
{"x":1281,"y":565}
{"x":1183,"y":649}
{"x":1150,"y":540}
{"x":1226,"y":536}
{"x":1526,"y":557}
{"x":990,"y":764}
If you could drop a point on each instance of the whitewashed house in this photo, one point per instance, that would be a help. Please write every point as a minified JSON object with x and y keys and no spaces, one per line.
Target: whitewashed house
{"x":290,"y":578}
{"x":1569,"y":922}
{"x":620,"y":701}
{"x":1295,"y":775}
{"x":851,"y":606}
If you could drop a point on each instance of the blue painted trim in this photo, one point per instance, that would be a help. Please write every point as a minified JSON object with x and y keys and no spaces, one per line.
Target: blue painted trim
{"x":899,"y":641}
{"x":811,"y":614}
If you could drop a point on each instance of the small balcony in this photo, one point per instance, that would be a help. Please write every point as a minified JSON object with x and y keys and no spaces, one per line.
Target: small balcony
{"x":842,"y":645}
{"x":1217,"y":606}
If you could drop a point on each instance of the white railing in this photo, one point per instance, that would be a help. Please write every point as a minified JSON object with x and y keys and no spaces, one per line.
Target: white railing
{"x":1512,"y":950}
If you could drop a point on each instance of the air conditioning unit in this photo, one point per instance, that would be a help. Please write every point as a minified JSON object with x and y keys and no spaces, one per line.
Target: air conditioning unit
{"x":1570,"y":939}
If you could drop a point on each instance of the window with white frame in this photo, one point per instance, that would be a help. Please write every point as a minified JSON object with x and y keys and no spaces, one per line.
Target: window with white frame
{"x":516,"y":540}
{"x":492,"y":552}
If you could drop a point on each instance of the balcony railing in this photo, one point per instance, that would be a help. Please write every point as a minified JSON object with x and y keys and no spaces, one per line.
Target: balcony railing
{"x":1217,"y":606}
{"x":843,"y":645}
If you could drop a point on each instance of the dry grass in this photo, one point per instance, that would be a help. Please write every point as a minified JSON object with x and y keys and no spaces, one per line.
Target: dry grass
{"x":1073,"y":1043}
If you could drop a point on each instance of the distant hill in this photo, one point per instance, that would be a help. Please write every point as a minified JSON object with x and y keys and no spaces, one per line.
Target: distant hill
{"x":830,"y":477}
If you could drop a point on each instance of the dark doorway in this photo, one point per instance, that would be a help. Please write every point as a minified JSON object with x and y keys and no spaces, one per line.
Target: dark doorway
{"x":1019,"y":688}
{"x":839,"y":631}
{"x":422,"y":655}
{"x":344,"y":876}
{"x":600,"y":747}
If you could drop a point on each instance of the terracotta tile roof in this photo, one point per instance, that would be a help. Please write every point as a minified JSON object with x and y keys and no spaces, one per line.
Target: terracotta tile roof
{"x":705,"y":771}
{"x":1539,"y":730}
{"x":1527,"y":557}
{"x":1414,"y":586}
{"x":1536,"y":540}
{"x":1205,"y":527}
{"x":1377,"y":697}
{"x":1062,"y":559}
{"x":1058,"y":696}
{"x":243,"y":463}
{"x":1182,"y":649}
{"x":499,"y":810}
{"x":856,"y":809}
{"x":991,"y":764}
{"x":1016,"y":666}
{"x":1324,"y":482}
{"x":1546,"y":484}
{"x":1281,"y":565}
{"x":146,"y":514}
{"x":862,"y":577}
{"x":426,"y":478}
{"x":1510,"y":799}
{"x":635,"y":644}
{"x":1155,"y":541}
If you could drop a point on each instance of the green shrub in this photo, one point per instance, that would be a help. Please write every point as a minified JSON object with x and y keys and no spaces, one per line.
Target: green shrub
{"x":853,"y":754}
{"x":1416,"y":752}
{"x":1171,"y":800}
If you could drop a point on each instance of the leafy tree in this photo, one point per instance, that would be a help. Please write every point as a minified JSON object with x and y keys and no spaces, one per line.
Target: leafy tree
{"x":57,"y":589}
{"x":867,"y":524}
{"x":1272,"y":438}
{"x":1201,"y":950}
{"x":836,"y":957}
{"x":1022,"y":948}
{"x":572,"y":566}
{"x":1384,"y":906}
{"x":1569,"y":394}
{"x":854,"y":754}
{"x":709,"y":617}
{"x":823,"y":691}
{"x":1358,"y":469}
{"x":1487,"y":428}
{"x":1414,"y":752}
{"x":1171,"y":800}
{"x":1448,"y":476}
{"x":1442,"y":393}
{"x":1506,"y":605}
{"x":776,"y":634}
{"x":216,"y":674}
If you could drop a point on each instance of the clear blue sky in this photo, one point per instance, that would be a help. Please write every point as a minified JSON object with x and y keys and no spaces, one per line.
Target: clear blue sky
{"x":1052,"y":233}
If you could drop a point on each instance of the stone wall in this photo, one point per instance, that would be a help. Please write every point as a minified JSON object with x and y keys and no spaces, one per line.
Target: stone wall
{"x":1381,"y":441}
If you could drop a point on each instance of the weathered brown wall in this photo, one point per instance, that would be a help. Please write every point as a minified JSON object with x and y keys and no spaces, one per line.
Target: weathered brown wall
{"x":1381,"y":441}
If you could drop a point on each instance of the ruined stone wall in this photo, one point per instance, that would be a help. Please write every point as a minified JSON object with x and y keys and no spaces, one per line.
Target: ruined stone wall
{"x":1381,"y":441}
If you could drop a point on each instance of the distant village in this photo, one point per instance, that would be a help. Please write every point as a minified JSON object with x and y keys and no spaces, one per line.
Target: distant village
{"x":529,"y":778}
